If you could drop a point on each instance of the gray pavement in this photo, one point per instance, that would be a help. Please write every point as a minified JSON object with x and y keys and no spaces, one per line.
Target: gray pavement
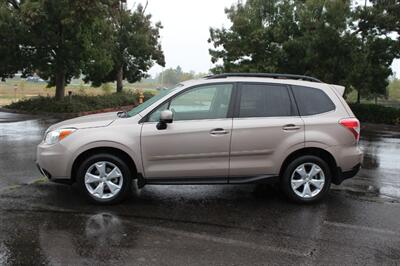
{"x":19,"y":136}
{"x":45,"y":223}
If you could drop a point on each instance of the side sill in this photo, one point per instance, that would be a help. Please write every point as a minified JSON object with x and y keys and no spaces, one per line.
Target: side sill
{"x":264,"y":179}
{"x":186,"y":181}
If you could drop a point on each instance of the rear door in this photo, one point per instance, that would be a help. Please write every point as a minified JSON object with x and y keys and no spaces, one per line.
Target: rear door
{"x":266,"y":126}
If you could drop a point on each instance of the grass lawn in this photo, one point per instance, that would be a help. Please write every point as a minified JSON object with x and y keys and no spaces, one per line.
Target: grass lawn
{"x":14,"y":90}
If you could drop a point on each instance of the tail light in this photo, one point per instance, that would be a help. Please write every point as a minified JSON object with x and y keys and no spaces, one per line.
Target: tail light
{"x":353,"y":125}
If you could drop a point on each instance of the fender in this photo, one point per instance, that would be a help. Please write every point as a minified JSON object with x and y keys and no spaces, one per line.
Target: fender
{"x":135,"y":156}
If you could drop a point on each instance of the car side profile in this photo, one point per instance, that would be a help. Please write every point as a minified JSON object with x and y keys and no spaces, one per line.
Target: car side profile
{"x":292,"y":130}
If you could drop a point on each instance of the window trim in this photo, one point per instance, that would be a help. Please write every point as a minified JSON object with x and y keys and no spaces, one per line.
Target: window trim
{"x":231,"y":106}
{"x":294,"y":109}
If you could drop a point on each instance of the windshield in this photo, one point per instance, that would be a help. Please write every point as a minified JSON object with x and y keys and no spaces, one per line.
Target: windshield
{"x":150,"y":101}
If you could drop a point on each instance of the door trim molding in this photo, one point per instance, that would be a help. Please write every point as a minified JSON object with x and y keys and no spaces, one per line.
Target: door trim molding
{"x":262,"y":179}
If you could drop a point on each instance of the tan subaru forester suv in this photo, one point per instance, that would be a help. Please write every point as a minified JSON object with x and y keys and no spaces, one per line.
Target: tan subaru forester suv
{"x":223,"y":129}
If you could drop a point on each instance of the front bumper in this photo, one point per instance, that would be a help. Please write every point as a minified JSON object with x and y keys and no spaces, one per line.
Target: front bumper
{"x":52,"y":162}
{"x":45,"y":173}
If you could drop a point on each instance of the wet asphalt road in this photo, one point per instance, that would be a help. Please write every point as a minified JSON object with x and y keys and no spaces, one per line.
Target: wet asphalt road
{"x":45,"y":223}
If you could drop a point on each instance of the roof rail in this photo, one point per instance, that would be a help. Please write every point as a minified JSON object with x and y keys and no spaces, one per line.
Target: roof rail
{"x":264,"y":75}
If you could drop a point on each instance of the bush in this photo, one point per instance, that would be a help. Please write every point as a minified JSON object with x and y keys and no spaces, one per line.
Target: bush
{"x":379,"y":114}
{"x":78,"y":103}
{"x":148,"y":94}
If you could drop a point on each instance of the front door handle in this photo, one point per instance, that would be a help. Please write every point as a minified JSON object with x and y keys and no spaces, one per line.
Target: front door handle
{"x":218,"y":131}
{"x":290,"y":127}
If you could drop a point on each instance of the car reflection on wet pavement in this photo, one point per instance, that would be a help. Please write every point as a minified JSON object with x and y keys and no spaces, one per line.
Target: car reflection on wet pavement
{"x":46,"y":223}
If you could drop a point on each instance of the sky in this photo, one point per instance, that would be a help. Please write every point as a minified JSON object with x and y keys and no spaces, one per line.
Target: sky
{"x":186,"y":31}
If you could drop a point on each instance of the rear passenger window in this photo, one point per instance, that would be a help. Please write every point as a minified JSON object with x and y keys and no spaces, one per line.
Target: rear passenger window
{"x":263,"y":100}
{"x":312,"y":101}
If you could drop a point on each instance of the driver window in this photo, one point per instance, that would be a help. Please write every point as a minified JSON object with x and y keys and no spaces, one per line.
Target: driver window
{"x":205,"y":102}
{"x":155,"y":116}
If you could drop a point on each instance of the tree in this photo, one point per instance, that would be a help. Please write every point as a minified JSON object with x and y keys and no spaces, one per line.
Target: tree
{"x":323,"y":45}
{"x":172,"y":76}
{"x":53,"y":39}
{"x":254,"y":41}
{"x":301,"y":37}
{"x":325,"y":39}
{"x":135,"y":47}
{"x":10,"y":34}
{"x":375,"y":49}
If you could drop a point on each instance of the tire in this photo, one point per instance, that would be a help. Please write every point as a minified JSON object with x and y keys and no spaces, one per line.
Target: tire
{"x":294,"y":181}
{"x":110,"y":171}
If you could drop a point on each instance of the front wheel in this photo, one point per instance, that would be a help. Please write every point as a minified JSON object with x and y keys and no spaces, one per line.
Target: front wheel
{"x":105,"y":179}
{"x":306,"y":179}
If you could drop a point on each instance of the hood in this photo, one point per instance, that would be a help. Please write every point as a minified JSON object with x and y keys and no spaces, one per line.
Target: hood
{"x":88,"y":121}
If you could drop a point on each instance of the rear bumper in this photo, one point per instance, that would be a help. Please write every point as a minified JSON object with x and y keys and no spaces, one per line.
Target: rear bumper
{"x":341,"y":176}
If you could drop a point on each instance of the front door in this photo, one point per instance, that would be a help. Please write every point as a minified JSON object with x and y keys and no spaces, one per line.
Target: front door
{"x":196,"y":143}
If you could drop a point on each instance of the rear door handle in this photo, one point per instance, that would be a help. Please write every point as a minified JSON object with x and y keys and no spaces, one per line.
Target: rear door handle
{"x":218,"y":131}
{"x":290,"y":127}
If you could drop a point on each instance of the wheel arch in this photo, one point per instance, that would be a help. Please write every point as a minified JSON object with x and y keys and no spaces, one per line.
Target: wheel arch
{"x":319,"y":152}
{"x":110,"y":150}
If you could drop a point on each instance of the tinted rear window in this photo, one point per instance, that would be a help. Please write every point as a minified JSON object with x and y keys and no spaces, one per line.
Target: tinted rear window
{"x":264,"y":100}
{"x":312,"y":101}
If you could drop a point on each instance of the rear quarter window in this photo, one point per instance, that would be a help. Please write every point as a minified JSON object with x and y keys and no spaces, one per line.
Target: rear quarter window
{"x":311,"y":101}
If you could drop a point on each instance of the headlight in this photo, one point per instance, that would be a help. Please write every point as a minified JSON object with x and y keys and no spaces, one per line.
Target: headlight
{"x":57,"y":135}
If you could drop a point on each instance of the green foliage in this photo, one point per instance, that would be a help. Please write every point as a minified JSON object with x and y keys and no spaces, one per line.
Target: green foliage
{"x":299,"y":37}
{"x":170,"y":77}
{"x":134,"y":48}
{"x":54,"y":39}
{"x":79,"y":103}
{"x":373,"y":50}
{"x":148,"y":94}
{"x":10,"y":36}
{"x":325,"y":39}
{"x":62,"y":39}
{"x":372,"y":113}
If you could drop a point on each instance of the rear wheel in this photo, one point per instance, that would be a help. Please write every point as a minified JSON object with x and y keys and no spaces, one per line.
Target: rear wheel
{"x":105,"y":179}
{"x":306,"y":179}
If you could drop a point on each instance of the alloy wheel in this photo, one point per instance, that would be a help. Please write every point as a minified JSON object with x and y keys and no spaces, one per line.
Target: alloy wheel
{"x":307,"y":180}
{"x":103,"y":180}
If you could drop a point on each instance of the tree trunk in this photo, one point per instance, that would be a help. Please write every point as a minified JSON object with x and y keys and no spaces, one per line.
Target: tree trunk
{"x":60,"y":84}
{"x":358,"y":96}
{"x":120,"y":75}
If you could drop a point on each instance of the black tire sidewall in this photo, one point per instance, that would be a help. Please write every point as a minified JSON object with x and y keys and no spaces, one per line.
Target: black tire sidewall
{"x":286,"y":178}
{"x":126,"y":174}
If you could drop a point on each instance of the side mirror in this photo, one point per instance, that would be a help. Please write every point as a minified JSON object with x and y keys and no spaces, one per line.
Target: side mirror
{"x":166,"y":117}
